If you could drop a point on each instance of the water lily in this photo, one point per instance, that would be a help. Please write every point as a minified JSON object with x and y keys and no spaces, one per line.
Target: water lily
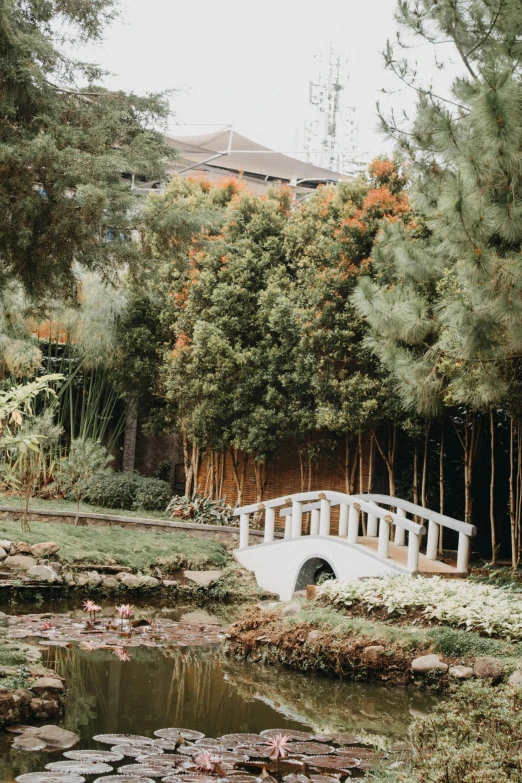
{"x":92,"y":608}
{"x":205,"y":762}
{"x":278,"y":746}
{"x":46,"y":626}
{"x":125,"y":611}
{"x":121,"y":653}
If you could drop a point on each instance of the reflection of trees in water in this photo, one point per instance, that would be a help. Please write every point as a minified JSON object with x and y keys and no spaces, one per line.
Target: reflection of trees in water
{"x":331,"y":705}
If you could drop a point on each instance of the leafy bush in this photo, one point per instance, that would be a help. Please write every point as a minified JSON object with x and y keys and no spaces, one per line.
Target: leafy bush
{"x":472,"y":738}
{"x":201,"y":510}
{"x":152,"y":494}
{"x":87,"y":458}
{"x":484,"y":608}
{"x":128,"y":491}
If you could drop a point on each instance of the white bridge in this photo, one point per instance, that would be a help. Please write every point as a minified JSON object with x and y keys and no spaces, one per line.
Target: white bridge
{"x":372,"y":540}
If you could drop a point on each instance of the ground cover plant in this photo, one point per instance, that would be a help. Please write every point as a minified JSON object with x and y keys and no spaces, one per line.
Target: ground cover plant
{"x":488,"y":609}
{"x":137,"y":549}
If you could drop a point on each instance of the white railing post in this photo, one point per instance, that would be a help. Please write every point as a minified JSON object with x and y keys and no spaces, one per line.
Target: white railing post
{"x":324,"y":524}
{"x":384,"y":537}
{"x":372,"y":524}
{"x":288,"y":526}
{"x":343,"y":520}
{"x":244,"y":524}
{"x":314,"y":522}
{"x":413,"y":552}
{"x":400,"y":533}
{"x":353,"y":524}
{"x":463,"y":553}
{"x":297,"y":518}
{"x":269,"y":525}
{"x":433,"y":540}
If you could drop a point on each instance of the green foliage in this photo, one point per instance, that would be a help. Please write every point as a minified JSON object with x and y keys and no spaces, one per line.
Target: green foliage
{"x":127,"y":491}
{"x":63,"y":148}
{"x":138,"y":549}
{"x":201,"y":510}
{"x":471,"y":738}
{"x":87,"y":458}
{"x":467,"y":644}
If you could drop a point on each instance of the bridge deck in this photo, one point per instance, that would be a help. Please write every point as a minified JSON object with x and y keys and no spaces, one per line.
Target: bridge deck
{"x":399,"y":555}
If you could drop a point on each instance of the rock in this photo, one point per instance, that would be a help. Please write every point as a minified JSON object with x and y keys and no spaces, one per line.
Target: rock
{"x":3,"y":553}
{"x":373,"y":651}
{"x":82,"y":580}
{"x":5,"y":544}
{"x":129,"y":580}
{"x":202,"y":578}
{"x":313,"y":636}
{"x":56,"y":566}
{"x":515,"y":678}
{"x":22,"y":548}
{"x":428,"y":663}
{"x":461,"y":672}
{"x":41,"y":671}
{"x":4,"y":620}
{"x":299,"y":594}
{"x":42,"y":573}
{"x":20,"y":562}
{"x":53,"y":736}
{"x":267,"y":606}
{"x":149,"y":581}
{"x":44,"y":549}
{"x":170,"y":583}
{"x":119,"y":576}
{"x":488,"y":668}
{"x":110,"y":582}
{"x":291,"y":609}
{"x":48,"y":684}
{"x":45,"y":708}
{"x":94,"y":578}
{"x":29,"y":743}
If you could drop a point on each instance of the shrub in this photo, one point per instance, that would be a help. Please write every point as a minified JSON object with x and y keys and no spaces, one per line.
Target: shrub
{"x":478,"y":607}
{"x":128,"y":491}
{"x":152,"y":494}
{"x":201,"y":510}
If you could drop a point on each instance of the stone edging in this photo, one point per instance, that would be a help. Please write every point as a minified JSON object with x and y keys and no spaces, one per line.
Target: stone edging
{"x":145,"y":521}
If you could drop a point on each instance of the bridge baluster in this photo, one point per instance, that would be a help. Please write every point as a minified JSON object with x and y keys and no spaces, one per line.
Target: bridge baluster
{"x":372,"y":524}
{"x":463,"y":552}
{"x":297,"y":518}
{"x":353,"y":525}
{"x":324,"y":524}
{"x":413,"y":552}
{"x":288,"y":526}
{"x":269,"y":524}
{"x":314,"y":522}
{"x":400,"y":533}
{"x":244,"y":525}
{"x":433,"y":540}
{"x":384,"y":537}
{"x":343,"y":520}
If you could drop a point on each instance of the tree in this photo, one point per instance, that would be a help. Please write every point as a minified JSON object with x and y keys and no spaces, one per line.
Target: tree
{"x":86,"y":459}
{"x":65,"y":141}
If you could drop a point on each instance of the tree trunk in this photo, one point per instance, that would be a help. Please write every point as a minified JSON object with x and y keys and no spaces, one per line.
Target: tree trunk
{"x":389,"y":455}
{"x":441,"y":486}
{"x":492,"y":489}
{"x":129,"y":441}
{"x":261,"y":476}
{"x":370,"y":467}
{"x":469,"y":440}
{"x":514,"y":543}
{"x":416,"y":476}
{"x":239,"y":468}
{"x":424,"y":499}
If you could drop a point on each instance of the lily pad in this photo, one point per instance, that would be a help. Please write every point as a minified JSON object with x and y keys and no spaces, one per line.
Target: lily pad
{"x":309,"y":748}
{"x":123,"y":779}
{"x":192,"y":778}
{"x":123,"y":739}
{"x":144,"y":770}
{"x":48,"y":777}
{"x":189,"y":734}
{"x":93,"y":755}
{"x":332,"y":762}
{"x":338,"y":739}
{"x":162,"y":761}
{"x":18,"y":729}
{"x":300,"y":736}
{"x":240,"y":739}
{"x":77,"y":768}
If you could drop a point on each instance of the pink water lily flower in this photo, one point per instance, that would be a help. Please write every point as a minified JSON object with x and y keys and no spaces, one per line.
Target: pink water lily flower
{"x":121,"y":653}
{"x":92,"y":608}
{"x":205,"y":762}
{"x":278,"y":746}
{"x":125,"y":610}
{"x":46,"y":626}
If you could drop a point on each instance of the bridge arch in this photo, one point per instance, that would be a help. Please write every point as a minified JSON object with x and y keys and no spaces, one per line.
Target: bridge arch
{"x":311,"y":569}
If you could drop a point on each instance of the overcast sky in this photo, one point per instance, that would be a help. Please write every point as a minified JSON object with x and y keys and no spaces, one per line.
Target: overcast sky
{"x":249,"y":62}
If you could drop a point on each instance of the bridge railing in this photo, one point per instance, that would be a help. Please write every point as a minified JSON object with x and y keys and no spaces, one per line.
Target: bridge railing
{"x":353,"y":508}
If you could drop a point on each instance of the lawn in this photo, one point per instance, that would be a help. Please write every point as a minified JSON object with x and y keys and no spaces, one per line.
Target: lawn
{"x":69,"y":505}
{"x":137,"y":549}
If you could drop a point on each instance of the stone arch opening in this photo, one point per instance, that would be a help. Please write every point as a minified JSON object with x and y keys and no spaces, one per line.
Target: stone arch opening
{"x":313,"y":572}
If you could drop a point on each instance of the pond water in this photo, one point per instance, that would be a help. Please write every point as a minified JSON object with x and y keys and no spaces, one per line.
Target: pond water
{"x":196,"y":688}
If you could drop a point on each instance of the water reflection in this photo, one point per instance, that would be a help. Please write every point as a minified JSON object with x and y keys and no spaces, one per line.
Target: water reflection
{"x":195,"y":688}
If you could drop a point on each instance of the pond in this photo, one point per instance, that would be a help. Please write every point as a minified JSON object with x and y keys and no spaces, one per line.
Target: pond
{"x":196,"y":688}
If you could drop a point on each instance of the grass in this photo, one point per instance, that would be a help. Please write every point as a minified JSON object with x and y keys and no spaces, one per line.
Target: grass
{"x":68,"y":505}
{"x":137,"y":549}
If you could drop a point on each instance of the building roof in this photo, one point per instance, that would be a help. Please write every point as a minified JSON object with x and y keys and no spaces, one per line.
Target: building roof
{"x":227,"y":149}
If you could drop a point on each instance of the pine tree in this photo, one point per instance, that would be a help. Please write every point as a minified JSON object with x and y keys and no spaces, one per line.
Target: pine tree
{"x":65,"y":141}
